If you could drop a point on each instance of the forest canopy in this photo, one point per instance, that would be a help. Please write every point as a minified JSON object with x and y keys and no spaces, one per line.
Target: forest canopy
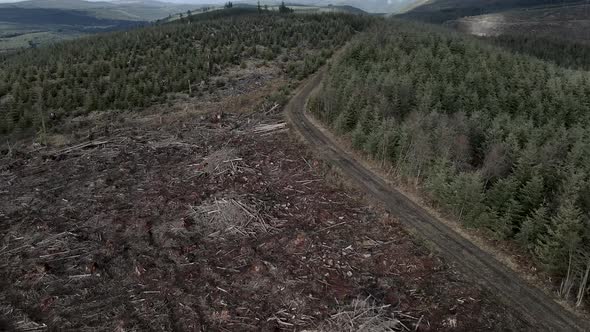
{"x":138,"y":68}
{"x":566,"y":53}
{"x":501,"y":141}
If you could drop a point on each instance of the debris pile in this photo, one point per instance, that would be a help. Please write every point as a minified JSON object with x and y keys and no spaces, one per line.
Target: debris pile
{"x":268,"y":129}
{"x":222,"y":161}
{"x":365,"y":315}
{"x":229,"y":217}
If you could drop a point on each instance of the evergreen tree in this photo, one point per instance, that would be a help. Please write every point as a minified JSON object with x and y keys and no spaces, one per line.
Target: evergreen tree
{"x":533,"y":227}
{"x":498,"y":139}
{"x":437,"y":183}
{"x":563,"y":236}
{"x":283,"y":9}
{"x":532,"y":193}
{"x":467,"y":196}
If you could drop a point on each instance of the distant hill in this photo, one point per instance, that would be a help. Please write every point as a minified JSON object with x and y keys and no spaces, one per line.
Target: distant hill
{"x":352,"y":9}
{"x":49,"y":16}
{"x":38,"y":22}
{"x":58,"y":4}
{"x":440,"y":11}
{"x":308,"y":8}
{"x":216,"y":12}
{"x":371,"y":6}
{"x":569,"y":21}
{"x":554,"y":31}
{"x":133,"y":10}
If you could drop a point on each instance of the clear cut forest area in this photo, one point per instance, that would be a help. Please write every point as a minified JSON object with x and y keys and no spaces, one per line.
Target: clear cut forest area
{"x":499,"y":141}
{"x":148,"y":182}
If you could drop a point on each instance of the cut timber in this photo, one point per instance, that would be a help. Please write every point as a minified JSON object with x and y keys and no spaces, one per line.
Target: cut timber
{"x":270,"y":128}
{"x":79,"y":147}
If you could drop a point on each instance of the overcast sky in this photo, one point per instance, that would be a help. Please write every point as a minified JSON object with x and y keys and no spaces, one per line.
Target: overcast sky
{"x":177,"y":1}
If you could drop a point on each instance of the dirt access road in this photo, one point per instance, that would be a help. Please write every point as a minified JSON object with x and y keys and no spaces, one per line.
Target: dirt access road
{"x":536,"y":307}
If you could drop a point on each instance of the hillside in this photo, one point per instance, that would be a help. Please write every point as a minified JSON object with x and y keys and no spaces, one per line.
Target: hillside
{"x":116,"y":71}
{"x":440,"y":11}
{"x":343,"y":9}
{"x":371,"y":6}
{"x":40,"y":22}
{"x":540,"y":28}
{"x":44,"y":17}
{"x":571,"y":21}
{"x":217,"y":11}
{"x":58,"y":4}
{"x":30,"y":28}
{"x":116,"y":10}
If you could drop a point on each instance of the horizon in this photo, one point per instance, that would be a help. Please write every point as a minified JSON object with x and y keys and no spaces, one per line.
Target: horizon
{"x":168,"y":1}
{"x":388,"y":2}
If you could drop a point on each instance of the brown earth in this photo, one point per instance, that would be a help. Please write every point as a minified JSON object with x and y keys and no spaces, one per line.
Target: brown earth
{"x":202,"y":219}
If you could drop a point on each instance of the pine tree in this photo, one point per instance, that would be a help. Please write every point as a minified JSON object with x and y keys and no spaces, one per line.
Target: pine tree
{"x":532,"y":193}
{"x":359,"y":136}
{"x":283,"y":9}
{"x":437,"y":184}
{"x":512,"y":219}
{"x":534,"y":225}
{"x":467,"y":196}
{"x":562,"y":237}
{"x":5,"y":120}
{"x":347,"y":120}
{"x":374,"y":141}
{"x":501,"y":193}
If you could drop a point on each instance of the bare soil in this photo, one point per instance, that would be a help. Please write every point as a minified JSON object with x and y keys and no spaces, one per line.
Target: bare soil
{"x":202,"y":218}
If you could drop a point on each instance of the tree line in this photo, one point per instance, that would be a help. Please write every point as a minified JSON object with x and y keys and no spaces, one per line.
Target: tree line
{"x":499,"y":140}
{"x":142,"y":67}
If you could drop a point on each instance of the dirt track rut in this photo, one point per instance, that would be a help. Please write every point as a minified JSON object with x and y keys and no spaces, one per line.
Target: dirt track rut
{"x":540,"y":310}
